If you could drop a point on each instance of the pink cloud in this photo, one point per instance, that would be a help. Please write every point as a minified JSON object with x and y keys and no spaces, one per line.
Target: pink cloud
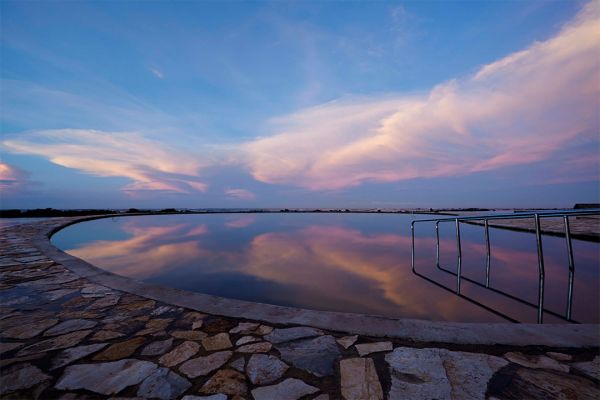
{"x":241,"y":194}
{"x":12,"y":179}
{"x":150,"y":165}
{"x":519,"y":110}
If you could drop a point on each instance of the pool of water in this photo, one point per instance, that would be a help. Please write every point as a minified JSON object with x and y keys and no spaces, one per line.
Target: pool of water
{"x":347,"y":262}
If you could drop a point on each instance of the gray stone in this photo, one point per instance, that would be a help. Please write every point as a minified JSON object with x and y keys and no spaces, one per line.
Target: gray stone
{"x":289,"y":334}
{"x":161,"y":310}
{"x":105,"y":378}
{"x":246,"y":339}
{"x":67,"y":356}
{"x":56,"y":343}
{"x":226,"y":381}
{"x":70,"y":326}
{"x":440,"y":373}
{"x":106,"y":335}
{"x":158,"y":348}
{"x":219,"y":396}
{"x":163,"y":384}
{"x":179,"y":354}
{"x":290,"y":389}
{"x":417,"y":374}
{"x":469,"y":373}
{"x":244,"y":328}
{"x":57,"y":294}
{"x":540,"y":384}
{"x":6,"y":347}
{"x":535,"y":361}
{"x":28,"y":330}
{"x":217,"y":342}
{"x":347,"y":341}
{"x":22,"y":378}
{"x":93,"y":290}
{"x":589,"y":368}
{"x":204,"y":365}
{"x":368,"y":348}
{"x":238,"y":364}
{"x":359,"y":379}
{"x":264,"y":369}
{"x":316,"y":356}
{"x":262,"y":347}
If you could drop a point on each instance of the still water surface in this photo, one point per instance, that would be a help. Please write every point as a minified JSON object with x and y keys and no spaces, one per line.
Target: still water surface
{"x":340,"y":262}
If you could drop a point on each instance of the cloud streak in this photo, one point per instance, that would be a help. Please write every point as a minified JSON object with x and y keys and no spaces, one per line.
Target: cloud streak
{"x":519,"y":110}
{"x":12,"y":179}
{"x":150,"y":165}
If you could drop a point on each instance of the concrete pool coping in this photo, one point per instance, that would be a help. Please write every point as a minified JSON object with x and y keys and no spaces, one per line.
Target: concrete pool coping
{"x":552,"y":335}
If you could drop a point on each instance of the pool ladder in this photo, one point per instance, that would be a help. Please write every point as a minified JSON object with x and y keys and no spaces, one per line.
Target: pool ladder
{"x":536,"y":216}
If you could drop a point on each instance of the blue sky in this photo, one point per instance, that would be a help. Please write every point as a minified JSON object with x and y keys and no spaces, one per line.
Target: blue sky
{"x":383,"y":104}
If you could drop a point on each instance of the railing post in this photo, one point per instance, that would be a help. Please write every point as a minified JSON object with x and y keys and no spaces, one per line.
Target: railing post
{"x":459,"y":252}
{"x":412,"y":246}
{"x":437,"y":244}
{"x":488,"y":256}
{"x":538,"y":236}
{"x":571,"y":267}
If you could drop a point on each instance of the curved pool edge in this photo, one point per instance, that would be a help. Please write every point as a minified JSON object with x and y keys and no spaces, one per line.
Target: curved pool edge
{"x":551,"y":335}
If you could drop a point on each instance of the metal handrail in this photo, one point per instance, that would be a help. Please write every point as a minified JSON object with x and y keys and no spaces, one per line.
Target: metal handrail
{"x":565,"y":214}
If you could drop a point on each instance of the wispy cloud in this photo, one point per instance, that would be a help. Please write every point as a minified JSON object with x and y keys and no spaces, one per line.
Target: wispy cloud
{"x":241,"y":194}
{"x":157,"y":72}
{"x":518,"y":110}
{"x":12,"y":179}
{"x":149,"y":164}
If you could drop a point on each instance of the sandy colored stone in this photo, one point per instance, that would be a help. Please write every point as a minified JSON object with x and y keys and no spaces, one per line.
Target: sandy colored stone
{"x":359,"y":379}
{"x":263,"y":330}
{"x":262,"y":347}
{"x":244,"y":328}
{"x":120,"y":350}
{"x":103,"y":335}
{"x":226,"y":381}
{"x":559,"y":356}
{"x":105,"y":378}
{"x":347,"y":341}
{"x":368,"y":348}
{"x":536,"y":361}
{"x":155,"y":325}
{"x":104,"y":302}
{"x":289,"y":389}
{"x":189,"y":335}
{"x":246,"y":339}
{"x":204,"y":365}
{"x":179,"y":354}
{"x":217,"y":342}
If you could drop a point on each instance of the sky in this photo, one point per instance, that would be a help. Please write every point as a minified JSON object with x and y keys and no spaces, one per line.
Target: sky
{"x":299,"y":104}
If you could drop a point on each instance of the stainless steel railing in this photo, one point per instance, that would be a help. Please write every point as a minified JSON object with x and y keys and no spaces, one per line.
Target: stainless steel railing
{"x":536,"y":216}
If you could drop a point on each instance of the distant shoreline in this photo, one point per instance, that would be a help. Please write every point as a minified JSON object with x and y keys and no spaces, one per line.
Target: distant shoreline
{"x":51,"y":212}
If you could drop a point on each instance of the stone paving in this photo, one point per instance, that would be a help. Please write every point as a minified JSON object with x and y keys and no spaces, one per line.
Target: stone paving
{"x":65,"y":337}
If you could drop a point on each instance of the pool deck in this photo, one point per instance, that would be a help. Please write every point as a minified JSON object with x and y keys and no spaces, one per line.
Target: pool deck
{"x":72,"y":331}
